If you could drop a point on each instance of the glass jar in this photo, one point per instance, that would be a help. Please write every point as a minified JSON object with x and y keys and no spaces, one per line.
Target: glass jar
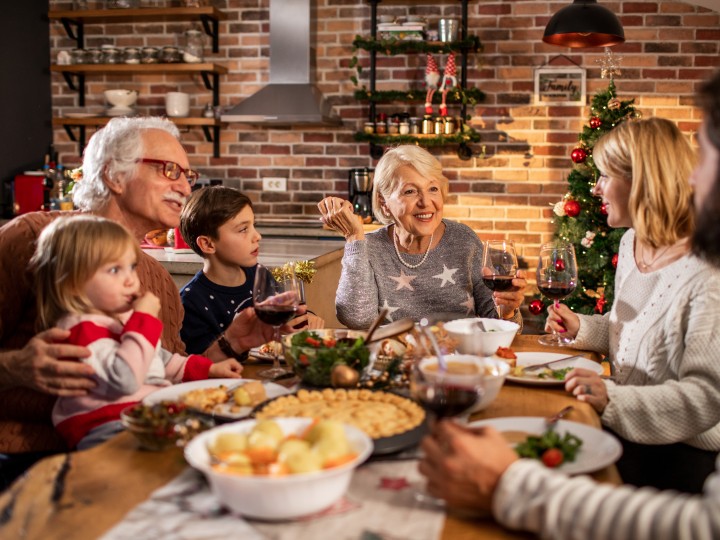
{"x":428,"y":127}
{"x":94,"y":56}
{"x":404,"y":128}
{"x":414,"y":126}
{"x":449,"y":125}
{"x":439,"y":127}
{"x":149,"y":55}
{"x":170,"y":55}
{"x":132,"y":55}
{"x":78,"y":56}
{"x":124,"y":4}
{"x":369,"y":128}
{"x":393,"y":128}
{"x":193,"y":52}
{"x":111,"y":55}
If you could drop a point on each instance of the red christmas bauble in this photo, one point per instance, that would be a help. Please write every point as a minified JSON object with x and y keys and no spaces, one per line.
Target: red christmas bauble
{"x":579,"y":155}
{"x":614,"y":260}
{"x":536,"y":307}
{"x":603,"y":209}
{"x":559,"y":265}
{"x":572,"y":208}
{"x":595,"y":122}
{"x":600,"y":304}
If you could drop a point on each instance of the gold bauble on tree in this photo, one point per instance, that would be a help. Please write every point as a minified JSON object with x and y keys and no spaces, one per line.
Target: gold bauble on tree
{"x":343,"y":376}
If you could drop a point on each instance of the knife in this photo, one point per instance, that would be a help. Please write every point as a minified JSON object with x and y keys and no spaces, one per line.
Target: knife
{"x":546,"y":364}
{"x":550,"y":421}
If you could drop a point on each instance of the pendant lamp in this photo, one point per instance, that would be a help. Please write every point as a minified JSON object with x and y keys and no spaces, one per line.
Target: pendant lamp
{"x":584,"y":24}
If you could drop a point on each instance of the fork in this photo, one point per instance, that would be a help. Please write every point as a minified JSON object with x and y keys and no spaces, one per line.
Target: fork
{"x":550,"y":421}
{"x":546,"y":364}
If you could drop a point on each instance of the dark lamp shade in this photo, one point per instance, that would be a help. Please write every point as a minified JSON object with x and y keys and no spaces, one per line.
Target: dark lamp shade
{"x":584,"y":24}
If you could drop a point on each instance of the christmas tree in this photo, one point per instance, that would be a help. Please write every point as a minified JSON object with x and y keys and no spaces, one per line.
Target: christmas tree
{"x":580,"y":217}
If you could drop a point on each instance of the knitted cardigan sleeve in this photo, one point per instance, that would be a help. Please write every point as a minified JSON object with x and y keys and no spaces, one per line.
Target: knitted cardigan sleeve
{"x":356,"y":299}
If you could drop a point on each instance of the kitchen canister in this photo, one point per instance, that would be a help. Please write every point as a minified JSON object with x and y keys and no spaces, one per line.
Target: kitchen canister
{"x":448,"y":29}
{"x":194,"y":45}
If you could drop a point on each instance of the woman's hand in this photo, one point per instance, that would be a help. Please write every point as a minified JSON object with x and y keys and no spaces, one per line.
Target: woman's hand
{"x":226,"y":369}
{"x":562,"y":320}
{"x":508,"y":301}
{"x":48,"y":366}
{"x":587,"y":386}
{"x":464,"y":466}
{"x":338,"y":214}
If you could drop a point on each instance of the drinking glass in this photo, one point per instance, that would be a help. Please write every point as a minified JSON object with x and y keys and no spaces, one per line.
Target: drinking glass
{"x":275,"y":302}
{"x":556,"y":278}
{"x":499,"y":266}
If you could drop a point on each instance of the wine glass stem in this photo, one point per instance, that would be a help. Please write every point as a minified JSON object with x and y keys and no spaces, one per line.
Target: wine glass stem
{"x":276,"y":356}
{"x":556,"y":305}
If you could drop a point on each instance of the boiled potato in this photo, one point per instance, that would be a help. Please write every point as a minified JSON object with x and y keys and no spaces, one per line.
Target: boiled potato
{"x":292,"y":446}
{"x":326,"y":429}
{"x":270,"y":427}
{"x":329,"y":449}
{"x":229,"y":442}
{"x":304,"y":461}
{"x":236,"y":463}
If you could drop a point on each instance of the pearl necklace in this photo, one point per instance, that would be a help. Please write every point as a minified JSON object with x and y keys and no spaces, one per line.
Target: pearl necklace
{"x":413,"y":266}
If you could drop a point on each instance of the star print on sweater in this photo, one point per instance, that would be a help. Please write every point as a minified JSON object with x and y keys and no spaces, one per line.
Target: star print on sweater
{"x":469,"y":304}
{"x":403,"y":281}
{"x":446,"y":276}
{"x":390,"y":309}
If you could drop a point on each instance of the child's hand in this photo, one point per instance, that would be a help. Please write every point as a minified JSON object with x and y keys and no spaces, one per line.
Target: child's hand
{"x":226,"y":369}
{"x":147,"y":303}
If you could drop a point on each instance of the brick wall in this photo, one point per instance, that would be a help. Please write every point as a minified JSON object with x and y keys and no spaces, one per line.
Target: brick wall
{"x":516,"y":172}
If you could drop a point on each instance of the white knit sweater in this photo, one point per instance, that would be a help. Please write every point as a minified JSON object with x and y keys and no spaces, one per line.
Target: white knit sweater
{"x":663,"y":337}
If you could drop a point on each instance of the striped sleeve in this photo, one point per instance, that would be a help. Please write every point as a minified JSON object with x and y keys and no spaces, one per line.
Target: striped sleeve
{"x":531,"y":497}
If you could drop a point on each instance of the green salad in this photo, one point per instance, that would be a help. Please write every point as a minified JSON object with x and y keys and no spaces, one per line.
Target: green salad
{"x":558,"y":374}
{"x":316,"y":356}
{"x":551,"y":448}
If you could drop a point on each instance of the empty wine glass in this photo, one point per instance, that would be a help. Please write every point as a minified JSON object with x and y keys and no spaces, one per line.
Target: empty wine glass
{"x":275,"y":302}
{"x":556,"y":278}
{"x":499,"y":267}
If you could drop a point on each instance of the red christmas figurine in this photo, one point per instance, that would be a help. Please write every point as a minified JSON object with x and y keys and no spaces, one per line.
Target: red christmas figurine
{"x":449,"y":81}
{"x":432,"y":78}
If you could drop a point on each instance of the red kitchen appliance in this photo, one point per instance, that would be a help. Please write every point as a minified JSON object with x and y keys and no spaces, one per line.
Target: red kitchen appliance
{"x":29,"y":193}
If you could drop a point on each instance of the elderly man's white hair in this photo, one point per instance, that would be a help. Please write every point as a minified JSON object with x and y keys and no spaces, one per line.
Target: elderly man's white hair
{"x":115,"y":149}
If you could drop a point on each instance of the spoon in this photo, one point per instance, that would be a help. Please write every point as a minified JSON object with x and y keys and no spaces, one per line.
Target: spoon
{"x":374,"y":326}
{"x":442,"y":365}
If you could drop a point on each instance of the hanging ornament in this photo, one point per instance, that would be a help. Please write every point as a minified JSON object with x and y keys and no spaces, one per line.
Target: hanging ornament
{"x":432,"y":78}
{"x":614,"y":260}
{"x":572,"y":208}
{"x":559,"y":265}
{"x":603,"y":209}
{"x":595,"y":122}
{"x":579,"y":155}
{"x":536,"y":307}
{"x":449,"y":81}
{"x":614,"y":104}
{"x":609,"y":64}
{"x":600,"y":304}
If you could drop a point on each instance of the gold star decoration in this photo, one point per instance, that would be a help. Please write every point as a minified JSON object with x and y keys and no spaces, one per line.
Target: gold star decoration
{"x":609,"y":64}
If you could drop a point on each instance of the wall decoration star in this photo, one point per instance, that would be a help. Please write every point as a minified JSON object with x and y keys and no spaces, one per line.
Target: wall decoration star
{"x":390,"y":309}
{"x":446,"y":276}
{"x":609,"y":64}
{"x":403,"y":281}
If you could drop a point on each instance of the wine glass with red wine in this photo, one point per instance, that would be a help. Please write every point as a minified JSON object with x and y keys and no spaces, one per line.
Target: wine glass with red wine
{"x":556,"y":278}
{"x":499,"y":267}
{"x":276,"y":303}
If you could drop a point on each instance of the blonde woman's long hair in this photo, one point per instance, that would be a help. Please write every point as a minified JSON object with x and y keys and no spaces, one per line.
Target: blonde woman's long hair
{"x":657,"y":159}
{"x":387,"y":176}
{"x":69,"y":251}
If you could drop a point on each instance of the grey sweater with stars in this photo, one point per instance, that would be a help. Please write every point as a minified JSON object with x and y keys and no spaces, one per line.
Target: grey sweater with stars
{"x":449,"y":281}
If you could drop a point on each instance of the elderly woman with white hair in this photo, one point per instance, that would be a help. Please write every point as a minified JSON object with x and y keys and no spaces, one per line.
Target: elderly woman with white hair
{"x":419,"y":263}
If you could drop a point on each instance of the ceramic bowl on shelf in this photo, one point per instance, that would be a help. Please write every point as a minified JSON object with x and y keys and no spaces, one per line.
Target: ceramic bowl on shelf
{"x":120,"y":98}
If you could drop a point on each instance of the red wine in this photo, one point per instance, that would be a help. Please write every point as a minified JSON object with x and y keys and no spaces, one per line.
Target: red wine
{"x":556,"y":291}
{"x":498,"y":283}
{"x":275,"y":315}
{"x":445,"y":401}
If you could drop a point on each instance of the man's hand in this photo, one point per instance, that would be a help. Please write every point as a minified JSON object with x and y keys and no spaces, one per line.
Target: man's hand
{"x":48,"y":366}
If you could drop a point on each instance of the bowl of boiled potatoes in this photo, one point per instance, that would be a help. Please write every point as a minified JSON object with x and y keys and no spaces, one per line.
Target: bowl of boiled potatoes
{"x":279,"y":469}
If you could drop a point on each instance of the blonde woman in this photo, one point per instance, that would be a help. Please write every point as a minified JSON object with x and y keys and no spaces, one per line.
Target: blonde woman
{"x":418,"y":263}
{"x":87,"y":282}
{"x":661,"y":334}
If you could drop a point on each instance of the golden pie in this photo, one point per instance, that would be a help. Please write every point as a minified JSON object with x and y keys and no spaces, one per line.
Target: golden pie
{"x":379,"y":414}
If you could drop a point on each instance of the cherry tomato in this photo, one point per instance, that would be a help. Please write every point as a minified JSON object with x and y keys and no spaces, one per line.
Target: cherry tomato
{"x":552,"y":457}
{"x":312,"y":342}
{"x":329,"y":342}
{"x":303,"y":359}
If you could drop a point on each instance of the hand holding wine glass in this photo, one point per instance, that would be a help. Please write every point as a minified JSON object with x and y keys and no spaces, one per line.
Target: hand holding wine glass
{"x":275,"y":302}
{"x":556,"y":279}
{"x":499,"y":267}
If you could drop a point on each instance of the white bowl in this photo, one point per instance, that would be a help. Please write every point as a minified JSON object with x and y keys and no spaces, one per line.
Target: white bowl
{"x":121,"y":98}
{"x":472,"y":340}
{"x":277,"y":498}
{"x":494,"y":373}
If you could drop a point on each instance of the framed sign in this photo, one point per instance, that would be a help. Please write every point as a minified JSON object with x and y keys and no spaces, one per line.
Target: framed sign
{"x":560,"y":86}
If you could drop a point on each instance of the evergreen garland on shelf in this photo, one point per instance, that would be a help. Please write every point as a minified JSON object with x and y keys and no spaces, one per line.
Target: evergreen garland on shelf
{"x":580,"y":217}
{"x":469,"y":96}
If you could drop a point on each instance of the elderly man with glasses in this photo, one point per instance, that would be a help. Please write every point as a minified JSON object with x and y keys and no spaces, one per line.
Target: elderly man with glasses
{"x":135,"y":172}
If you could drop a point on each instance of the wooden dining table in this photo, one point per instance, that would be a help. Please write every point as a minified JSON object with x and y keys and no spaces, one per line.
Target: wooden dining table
{"x":83,"y":494}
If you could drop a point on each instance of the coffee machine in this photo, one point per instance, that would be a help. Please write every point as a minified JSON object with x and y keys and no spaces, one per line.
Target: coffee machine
{"x":360,"y":182}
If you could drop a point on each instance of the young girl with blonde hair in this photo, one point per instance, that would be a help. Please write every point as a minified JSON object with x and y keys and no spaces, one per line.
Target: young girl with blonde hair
{"x":85,"y":273}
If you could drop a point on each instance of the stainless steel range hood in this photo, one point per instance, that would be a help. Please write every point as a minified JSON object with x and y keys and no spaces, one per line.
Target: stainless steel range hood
{"x":290,"y":98}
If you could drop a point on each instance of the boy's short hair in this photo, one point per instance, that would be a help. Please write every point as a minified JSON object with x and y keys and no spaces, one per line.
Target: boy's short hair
{"x":207,"y":210}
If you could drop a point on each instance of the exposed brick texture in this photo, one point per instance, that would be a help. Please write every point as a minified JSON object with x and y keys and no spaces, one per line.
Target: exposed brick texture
{"x":517,"y":171}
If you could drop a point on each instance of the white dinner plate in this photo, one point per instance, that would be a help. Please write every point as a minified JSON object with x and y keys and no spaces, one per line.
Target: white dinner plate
{"x":533,"y":358}
{"x":176,"y":391}
{"x":599,"y":449}
{"x":255,"y":352}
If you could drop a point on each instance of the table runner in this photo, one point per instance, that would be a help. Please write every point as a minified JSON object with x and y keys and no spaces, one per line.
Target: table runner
{"x":379,"y":505}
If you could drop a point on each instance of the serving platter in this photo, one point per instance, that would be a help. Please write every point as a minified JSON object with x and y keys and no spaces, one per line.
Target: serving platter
{"x":525,"y":359}
{"x":599,"y":448}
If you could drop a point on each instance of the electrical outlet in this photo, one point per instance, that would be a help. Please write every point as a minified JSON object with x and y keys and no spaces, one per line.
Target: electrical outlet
{"x":274,"y":184}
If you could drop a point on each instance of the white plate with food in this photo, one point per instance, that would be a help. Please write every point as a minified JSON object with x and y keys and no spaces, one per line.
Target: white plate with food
{"x":598,"y":449}
{"x":552,"y":375}
{"x":220,"y":397}
{"x":265,"y":351}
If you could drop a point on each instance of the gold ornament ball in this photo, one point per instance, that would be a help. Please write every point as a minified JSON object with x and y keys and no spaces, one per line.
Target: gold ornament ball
{"x":343,"y":376}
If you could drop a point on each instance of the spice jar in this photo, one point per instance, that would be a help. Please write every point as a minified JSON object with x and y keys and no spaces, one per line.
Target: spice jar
{"x":150,"y":55}
{"x":439,"y":127}
{"x":132,"y":55}
{"x":111,"y":55}
{"x":208,"y":111}
{"x":78,"y":56}
{"x":392,"y":128}
{"x":404,"y":128}
{"x":369,"y":128}
{"x":94,"y":56}
{"x":449,"y":125}
{"x":414,"y":126}
{"x":381,"y":124}
{"x":194,"y":47}
{"x":170,"y":55}
{"x":428,"y":127}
